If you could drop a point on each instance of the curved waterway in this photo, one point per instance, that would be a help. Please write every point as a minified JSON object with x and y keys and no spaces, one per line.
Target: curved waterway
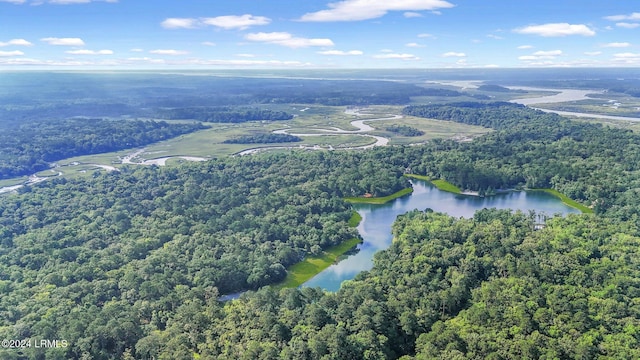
{"x":375,"y":227}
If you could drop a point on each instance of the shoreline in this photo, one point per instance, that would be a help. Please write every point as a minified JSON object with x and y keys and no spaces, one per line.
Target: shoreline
{"x":379,"y":200}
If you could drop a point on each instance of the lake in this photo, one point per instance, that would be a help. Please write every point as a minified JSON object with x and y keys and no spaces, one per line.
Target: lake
{"x":375,"y":226}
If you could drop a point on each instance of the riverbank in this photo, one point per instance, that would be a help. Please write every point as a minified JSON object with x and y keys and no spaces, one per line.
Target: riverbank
{"x":440,"y":184}
{"x":567,"y":200}
{"x":379,"y":200}
{"x":311,"y":266}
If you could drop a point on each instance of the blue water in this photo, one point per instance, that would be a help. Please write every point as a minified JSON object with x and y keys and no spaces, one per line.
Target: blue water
{"x":375,"y":226}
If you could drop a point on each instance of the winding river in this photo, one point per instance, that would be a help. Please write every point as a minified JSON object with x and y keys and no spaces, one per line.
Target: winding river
{"x":375,"y":227}
{"x":332,"y":131}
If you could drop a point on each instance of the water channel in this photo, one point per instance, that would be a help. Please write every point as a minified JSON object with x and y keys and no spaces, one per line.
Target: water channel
{"x":375,"y":227}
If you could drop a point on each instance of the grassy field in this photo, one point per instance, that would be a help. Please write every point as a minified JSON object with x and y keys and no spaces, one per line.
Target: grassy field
{"x":567,"y":201}
{"x":13,"y":181}
{"x":299,"y":273}
{"x":446,"y":186}
{"x":355,"y":219}
{"x":433,"y":129}
{"x":379,"y":200}
{"x":418,"y":177}
{"x":439,"y":183}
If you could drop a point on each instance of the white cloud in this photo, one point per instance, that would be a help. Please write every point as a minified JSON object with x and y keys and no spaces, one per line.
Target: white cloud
{"x":412,"y":14}
{"x":16,"y":42}
{"x":617,"y":45}
{"x":208,"y":43}
{"x":413,"y":45}
{"x":341,"y":53}
{"x":632,"y":16}
{"x":524,"y":47}
{"x":14,"y":1}
{"x":548,"y":53}
{"x":246,"y":55}
{"x":168,"y":52}
{"x":492,"y":36}
{"x":179,"y":23}
{"x":454,"y":54}
{"x":136,"y":50}
{"x":626,"y":56}
{"x":627,"y":25}
{"x":236,"y":22}
{"x":226,"y":22}
{"x":11,"y":53}
{"x":425,"y":35}
{"x":355,"y":10}
{"x":556,"y":30}
{"x":286,"y":39}
{"x":397,"y":56}
{"x":593,"y":53}
{"x":627,"y":59}
{"x":63,"y":41}
{"x":541,"y":55}
{"x":90,"y":52}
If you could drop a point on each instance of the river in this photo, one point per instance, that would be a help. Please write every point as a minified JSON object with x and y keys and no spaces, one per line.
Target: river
{"x":375,"y":227}
{"x":564,"y":95}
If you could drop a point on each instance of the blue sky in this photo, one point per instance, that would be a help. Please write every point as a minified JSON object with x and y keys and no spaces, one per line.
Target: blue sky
{"x":199,"y":34}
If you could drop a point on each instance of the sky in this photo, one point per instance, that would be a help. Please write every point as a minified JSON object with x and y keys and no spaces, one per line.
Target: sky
{"x":290,"y":34}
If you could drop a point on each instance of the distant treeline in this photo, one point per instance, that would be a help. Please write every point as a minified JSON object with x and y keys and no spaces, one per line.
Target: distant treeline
{"x":263,"y":139}
{"x":404,"y":130}
{"x":225,"y":114}
{"x":29,"y":147}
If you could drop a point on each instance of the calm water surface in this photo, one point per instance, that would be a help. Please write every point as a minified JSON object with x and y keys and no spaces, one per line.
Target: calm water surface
{"x":375,"y":227}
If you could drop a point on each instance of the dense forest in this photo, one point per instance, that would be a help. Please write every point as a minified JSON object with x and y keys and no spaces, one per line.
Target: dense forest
{"x":225,"y":114}
{"x":29,"y":147}
{"x":404,"y":130}
{"x":269,"y":138}
{"x":130,"y":264}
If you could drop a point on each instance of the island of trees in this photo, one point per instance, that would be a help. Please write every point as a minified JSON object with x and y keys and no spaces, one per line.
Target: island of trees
{"x":267,"y":138}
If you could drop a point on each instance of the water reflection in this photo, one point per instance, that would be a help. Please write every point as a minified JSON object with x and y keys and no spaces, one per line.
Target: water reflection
{"x":375,"y":226}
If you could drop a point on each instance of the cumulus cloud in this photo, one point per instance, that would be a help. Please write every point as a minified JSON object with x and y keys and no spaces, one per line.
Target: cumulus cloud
{"x":412,"y":14}
{"x":413,"y":45}
{"x":179,"y":23}
{"x":236,"y":22}
{"x":632,"y":16}
{"x":226,"y":22}
{"x":356,"y":10}
{"x":627,"y":25}
{"x":168,"y":52}
{"x":11,"y":53}
{"x":16,"y":42}
{"x":63,"y":41}
{"x":617,"y":45}
{"x":541,"y":55}
{"x":627,"y":56}
{"x":90,"y":52}
{"x":286,"y":39}
{"x":341,"y":53}
{"x":14,"y":1}
{"x":396,"y":56}
{"x":454,"y":54}
{"x":524,"y":47}
{"x":593,"y":53}
{"x":425,"y":35}
{"x":556,"y":30}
